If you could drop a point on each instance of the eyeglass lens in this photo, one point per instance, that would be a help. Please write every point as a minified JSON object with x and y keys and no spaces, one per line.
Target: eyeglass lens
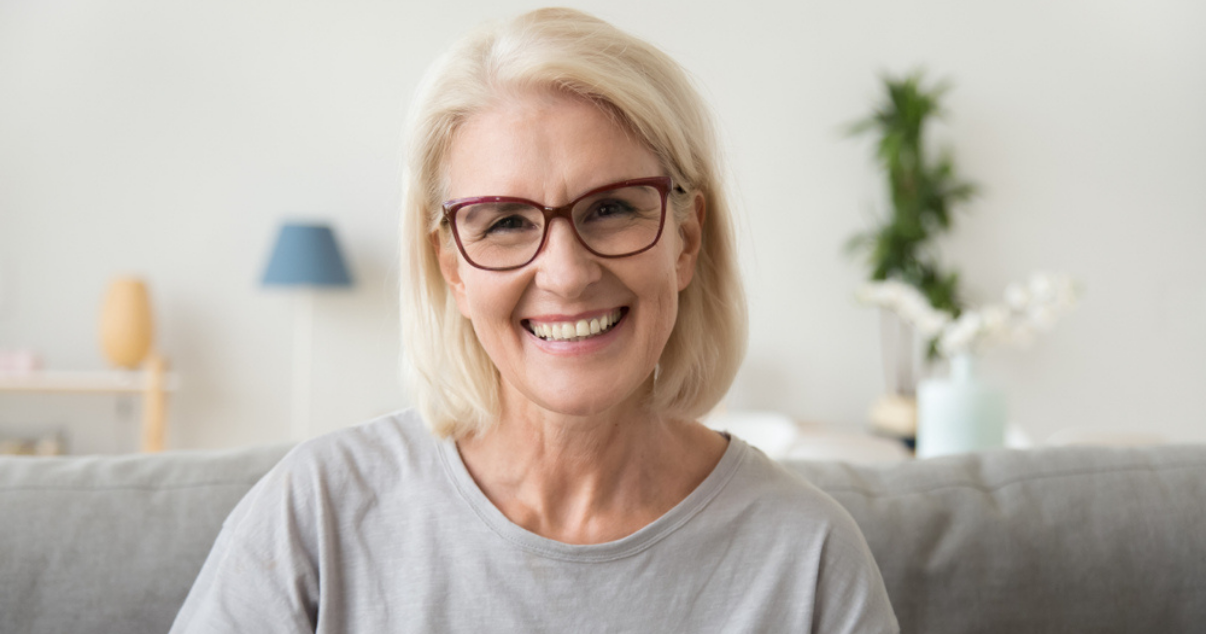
{"x":615,"y":222}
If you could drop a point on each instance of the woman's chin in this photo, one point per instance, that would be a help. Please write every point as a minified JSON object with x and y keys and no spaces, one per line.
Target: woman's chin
{"x":582,"y":398}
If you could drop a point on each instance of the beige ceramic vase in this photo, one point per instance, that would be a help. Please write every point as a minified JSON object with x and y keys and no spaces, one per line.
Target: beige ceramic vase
{"x":126,"y":328}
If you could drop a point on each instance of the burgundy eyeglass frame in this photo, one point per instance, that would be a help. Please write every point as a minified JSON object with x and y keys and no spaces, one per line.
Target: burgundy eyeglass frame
{"x":662,"y":184}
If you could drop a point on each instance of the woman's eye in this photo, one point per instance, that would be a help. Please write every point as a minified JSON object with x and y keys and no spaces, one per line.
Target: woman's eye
{"x":608,"y":208}
{"x":509,"y":223}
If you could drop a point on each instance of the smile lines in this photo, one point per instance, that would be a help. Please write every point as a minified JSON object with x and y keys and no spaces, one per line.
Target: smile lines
{"x":574,"y":330}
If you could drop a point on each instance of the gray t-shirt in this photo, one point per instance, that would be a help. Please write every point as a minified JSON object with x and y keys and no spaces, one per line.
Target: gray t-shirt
{"x":380,"y":528}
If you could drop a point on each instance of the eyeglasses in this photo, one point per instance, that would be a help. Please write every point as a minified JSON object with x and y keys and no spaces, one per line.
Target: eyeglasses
{"x":500,"y":233}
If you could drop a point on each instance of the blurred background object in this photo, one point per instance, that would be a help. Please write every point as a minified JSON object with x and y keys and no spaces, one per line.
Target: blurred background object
{"x":22,"y":361}
{"x":305,"y":257}
{"x":39,"y":443}
{"x":127,"y":330}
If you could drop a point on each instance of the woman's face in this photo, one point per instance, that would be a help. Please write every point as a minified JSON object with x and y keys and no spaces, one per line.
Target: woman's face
{"x":551,"y":148}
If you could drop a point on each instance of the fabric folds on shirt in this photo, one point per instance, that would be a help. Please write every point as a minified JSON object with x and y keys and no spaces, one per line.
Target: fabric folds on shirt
{"x":380,"y":528}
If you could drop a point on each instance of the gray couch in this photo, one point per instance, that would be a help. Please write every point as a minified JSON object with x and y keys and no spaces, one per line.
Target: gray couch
{"x":1056,"y":540}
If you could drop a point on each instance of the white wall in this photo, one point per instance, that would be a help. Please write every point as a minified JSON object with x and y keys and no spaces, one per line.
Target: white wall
{"x":170,"y":139}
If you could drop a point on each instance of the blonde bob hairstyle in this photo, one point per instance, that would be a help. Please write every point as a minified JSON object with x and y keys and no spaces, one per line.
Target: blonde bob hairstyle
{"x":453,"y":380}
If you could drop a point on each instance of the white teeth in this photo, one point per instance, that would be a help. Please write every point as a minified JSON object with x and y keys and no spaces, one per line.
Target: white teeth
{"x":573,"y":330}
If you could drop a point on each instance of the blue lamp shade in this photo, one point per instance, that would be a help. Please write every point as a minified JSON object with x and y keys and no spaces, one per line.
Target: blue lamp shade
{"x":306,"y":255}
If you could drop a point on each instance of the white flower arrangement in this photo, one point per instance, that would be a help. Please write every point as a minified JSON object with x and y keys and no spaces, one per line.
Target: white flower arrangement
{"x":1027,"y":309}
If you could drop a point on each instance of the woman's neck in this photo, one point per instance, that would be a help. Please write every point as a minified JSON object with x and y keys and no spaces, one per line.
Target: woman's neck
{"x":589,"y":479}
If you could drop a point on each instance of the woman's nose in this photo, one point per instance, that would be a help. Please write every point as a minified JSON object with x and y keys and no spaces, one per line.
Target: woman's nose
{"x":564,"y":266}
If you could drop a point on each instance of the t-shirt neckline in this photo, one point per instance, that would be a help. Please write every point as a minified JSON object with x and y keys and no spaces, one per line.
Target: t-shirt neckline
{"x":626,"y":546}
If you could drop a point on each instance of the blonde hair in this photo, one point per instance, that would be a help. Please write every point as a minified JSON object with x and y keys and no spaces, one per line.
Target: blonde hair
{"x":453,"y":379}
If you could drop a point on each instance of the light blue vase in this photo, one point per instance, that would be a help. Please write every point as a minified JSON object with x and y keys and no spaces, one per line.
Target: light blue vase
{"x":960,"y":414}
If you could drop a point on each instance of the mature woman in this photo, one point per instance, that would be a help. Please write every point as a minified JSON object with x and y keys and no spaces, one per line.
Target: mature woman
{"x":571,"y":308}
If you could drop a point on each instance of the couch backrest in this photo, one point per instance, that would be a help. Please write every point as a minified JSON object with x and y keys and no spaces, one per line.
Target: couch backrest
{"x":1053,"y":540}
{"x":1058,"y":540}
{"x":112,"y":544}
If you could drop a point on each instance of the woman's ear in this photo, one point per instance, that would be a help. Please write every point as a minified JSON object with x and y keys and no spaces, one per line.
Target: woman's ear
{"x":690,"y":237}
{"x":450,"y":269}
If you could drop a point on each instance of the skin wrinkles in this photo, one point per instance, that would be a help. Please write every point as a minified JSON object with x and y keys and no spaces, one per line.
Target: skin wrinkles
{"x":575,"y":456}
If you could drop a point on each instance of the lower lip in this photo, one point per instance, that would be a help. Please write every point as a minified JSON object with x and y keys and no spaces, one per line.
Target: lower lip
{"x":585,"y":346}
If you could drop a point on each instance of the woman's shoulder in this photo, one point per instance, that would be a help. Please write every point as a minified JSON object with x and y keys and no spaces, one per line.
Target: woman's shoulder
{"x":789,"y":526}
{"x":763,"y":486}
{"x":362,"y":462}
{"x":387,"y":442}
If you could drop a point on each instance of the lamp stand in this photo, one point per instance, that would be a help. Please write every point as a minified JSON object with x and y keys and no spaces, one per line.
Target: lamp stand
{"x":303,"y":327}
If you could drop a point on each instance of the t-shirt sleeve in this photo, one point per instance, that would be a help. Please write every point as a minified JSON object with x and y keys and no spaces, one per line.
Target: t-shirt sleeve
{"x":261,"y":574}
{"x":850,"y":595}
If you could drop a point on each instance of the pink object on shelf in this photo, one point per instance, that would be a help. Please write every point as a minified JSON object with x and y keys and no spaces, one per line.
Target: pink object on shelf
{"x":19,"y":361}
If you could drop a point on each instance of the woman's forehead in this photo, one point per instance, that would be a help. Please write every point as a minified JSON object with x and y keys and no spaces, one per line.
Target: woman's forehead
{"x":546,"y":146}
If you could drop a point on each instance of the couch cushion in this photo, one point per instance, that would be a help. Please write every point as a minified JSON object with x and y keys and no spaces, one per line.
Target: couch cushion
{"x":112,"y":544}
{"x":1053,"y":540}
{"x":1060,"y":540}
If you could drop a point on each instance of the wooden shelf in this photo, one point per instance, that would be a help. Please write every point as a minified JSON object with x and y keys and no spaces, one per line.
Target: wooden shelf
{"x":104,"y":382}
{"x":153,"y":382}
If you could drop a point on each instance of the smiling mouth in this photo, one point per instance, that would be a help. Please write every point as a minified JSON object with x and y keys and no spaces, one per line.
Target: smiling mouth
{"x":579,"y":330}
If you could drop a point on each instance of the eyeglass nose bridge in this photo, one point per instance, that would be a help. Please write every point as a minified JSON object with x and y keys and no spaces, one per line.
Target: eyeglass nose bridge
{"x":565,"y":212}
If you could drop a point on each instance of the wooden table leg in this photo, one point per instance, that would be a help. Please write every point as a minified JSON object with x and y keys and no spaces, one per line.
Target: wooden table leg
{"x":154,"y":404}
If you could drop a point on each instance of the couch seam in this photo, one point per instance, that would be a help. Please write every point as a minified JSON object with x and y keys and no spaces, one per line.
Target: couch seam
{"x":127,"y":487}
{"x":995,"y":487}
